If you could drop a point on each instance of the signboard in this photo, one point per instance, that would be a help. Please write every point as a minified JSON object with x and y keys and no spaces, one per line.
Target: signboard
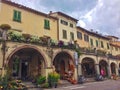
{"x":76,"y":58}
{"x":76,"y":55}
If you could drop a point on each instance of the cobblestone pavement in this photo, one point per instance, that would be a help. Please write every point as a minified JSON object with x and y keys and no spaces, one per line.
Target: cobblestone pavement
{"x":102,"y":85}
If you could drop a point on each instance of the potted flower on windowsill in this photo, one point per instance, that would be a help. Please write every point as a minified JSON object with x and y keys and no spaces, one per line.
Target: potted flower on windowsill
{"x":53,"y":78}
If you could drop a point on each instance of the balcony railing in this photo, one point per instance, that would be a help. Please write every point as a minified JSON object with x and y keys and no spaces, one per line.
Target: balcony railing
{"x":48,"y":42}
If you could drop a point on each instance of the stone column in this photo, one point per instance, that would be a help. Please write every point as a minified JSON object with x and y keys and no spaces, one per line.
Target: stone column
{"x":97,"y":69}
{"x":109,"y":70}
{"x":79,"y":69}
{"x":116,"y":68}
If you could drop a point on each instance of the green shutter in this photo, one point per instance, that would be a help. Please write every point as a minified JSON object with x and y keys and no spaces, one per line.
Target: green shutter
{"x":72,"y":35}
{"x":64,"y":34}
{"x":46,"y":24}
{"x":96,"y":43}
{"x":91,"y":41}
{"x":15,"y":15}
{"x":19,"y":16}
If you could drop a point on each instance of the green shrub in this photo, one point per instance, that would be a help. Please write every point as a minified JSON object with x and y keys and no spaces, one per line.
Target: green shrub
{"x":41,"y":80}
{"x":53,"y":77}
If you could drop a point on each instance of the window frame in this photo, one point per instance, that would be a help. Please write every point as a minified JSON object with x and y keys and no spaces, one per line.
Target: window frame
{"x":46,"y":24}
{"x":17,"y":15}
{"x":64,"y":34}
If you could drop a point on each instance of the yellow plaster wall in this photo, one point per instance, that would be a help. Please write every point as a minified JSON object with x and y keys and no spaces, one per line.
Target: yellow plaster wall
{"x":82,"y":42}
{"x":66,"y":27}
{"x":30,"y":23}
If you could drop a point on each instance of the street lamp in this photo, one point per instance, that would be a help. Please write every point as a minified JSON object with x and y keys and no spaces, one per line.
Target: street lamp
{"x":4,"y":28}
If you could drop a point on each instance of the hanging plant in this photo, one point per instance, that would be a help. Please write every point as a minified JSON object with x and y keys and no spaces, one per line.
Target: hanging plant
{"x":78,"y":52}
{"x":15,"y":35}
{"x":5,"y":26}
{"x":35,"y":39}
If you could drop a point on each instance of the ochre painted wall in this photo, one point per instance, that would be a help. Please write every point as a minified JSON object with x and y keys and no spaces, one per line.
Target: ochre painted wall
{"x":31,"y":23}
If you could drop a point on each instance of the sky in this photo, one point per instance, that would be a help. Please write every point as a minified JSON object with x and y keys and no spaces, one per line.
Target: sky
{"x":102,"y":16}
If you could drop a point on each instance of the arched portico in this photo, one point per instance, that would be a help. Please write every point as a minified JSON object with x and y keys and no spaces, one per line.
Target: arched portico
{"x":113,"y":68}
{"x":103,"y":66}
{"x":64,"y":64}
{"x":88,"y":67}
{"x":26,"y":62}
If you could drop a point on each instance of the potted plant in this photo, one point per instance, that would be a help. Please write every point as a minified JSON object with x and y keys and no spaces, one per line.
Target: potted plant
{"x":53,"y":78}
{"x":5,"y":26}
{"x":41,"y":80}
{"x":15,"y":35}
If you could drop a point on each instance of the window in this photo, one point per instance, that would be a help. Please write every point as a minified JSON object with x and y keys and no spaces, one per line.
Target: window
{"x":108,"y":46}
{"x":17,"y":16}
{"x":64,"y":22}
{"x":79,"y":35}
{"x":71,"y":25}
{"x":102,"y":44}
{"x":91,"y":42}
{"x":46,"y":24}
{"x":71,"y":35}
{"x":86,"y":38}
{"x":116,"y":48}
{"x":96,"y":43}
{"x":64,"y":34}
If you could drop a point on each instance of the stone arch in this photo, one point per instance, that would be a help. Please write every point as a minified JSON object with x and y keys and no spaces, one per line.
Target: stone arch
{"x":103,"y":66}
{"x":63,"y":62}
{"x":88,"y":67}
{"x":27,"y":46}
{"x":113,"y":68}
{"x":31,"y":62}
{"x":119,"y":68}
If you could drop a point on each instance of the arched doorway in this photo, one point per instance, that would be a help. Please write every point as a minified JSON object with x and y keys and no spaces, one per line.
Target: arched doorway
{"x":103,"y":66}
{"x":88,"y":67}
{"x":63,"y":63}
{"x":26,"y":63}
{"x":119,"y":69}
{"x":113,"y":68}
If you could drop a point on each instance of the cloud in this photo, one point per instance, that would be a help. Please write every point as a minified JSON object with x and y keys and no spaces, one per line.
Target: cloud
{"x":81,"y":23}
{"x":104,"y":16}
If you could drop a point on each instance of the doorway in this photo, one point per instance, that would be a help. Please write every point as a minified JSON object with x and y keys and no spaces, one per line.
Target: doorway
{"x":24,"y":69}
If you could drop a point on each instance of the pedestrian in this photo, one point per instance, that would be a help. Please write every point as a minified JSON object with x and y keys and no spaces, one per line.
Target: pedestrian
{"x":102,"y":72}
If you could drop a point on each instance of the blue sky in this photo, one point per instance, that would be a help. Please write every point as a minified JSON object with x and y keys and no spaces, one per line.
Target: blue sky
{"x":100,"y":15}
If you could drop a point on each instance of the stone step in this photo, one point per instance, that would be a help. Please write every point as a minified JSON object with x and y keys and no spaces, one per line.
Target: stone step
{"x":64,"y":83}
{"x":29,"y":84}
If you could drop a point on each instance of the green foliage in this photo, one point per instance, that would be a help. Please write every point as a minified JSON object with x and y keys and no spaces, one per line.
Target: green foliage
{"x":53,"y":77}
{"x":78,"y":51}
{"x":41,"y":79}
{"x":4,"y":82}
{"x":15,"y":35}
{"x":35,"y":39}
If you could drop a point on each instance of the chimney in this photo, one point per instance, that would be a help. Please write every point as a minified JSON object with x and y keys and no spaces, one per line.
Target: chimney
{"x":50,"y":12}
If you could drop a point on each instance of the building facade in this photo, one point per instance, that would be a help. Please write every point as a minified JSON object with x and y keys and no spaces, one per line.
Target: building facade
{"x":37,"y":43}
